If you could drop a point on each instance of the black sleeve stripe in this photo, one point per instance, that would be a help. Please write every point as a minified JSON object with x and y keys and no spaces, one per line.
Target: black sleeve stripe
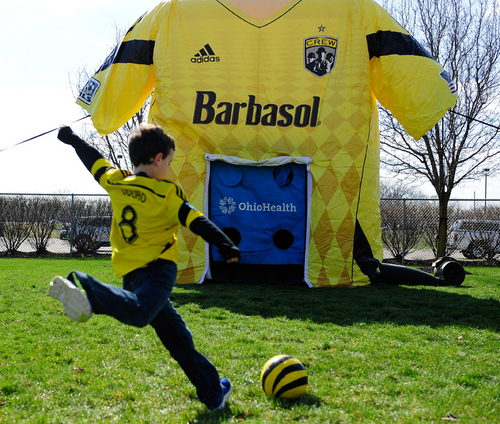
{"x":139,"y":52}
{"x":385,"y":43}
{"x":168,"y":246}
{"x":183,"y":214}
{"x":99,"y":173}
{"x":180,"y":193}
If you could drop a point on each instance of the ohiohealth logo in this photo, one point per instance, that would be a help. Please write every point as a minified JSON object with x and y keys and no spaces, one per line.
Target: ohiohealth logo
{"x":227,"y":205}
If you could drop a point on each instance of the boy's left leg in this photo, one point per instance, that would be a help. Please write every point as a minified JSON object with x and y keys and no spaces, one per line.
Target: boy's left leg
{"x":173,"y":333}
{"x":74,"y":299}
{"x":132,"y":305}
{"x":178,"y":340}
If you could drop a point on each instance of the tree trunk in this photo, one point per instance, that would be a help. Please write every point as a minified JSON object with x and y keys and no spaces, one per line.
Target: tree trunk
{"x":443,"y":225}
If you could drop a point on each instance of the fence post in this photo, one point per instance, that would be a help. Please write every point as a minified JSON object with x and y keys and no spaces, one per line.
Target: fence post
{"x":72,"y":225}
{"x":404,"y":233}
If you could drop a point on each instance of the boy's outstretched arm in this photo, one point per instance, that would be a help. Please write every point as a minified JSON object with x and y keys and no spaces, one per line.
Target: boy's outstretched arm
{"x":88,"y":154}
{"x":205,"y":228}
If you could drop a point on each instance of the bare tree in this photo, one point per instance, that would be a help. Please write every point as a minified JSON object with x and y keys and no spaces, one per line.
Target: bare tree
{"x":44,"y":210}
{"x":16,"y":222}
{"x":402,"y":221}
{"x":114,"y":146}
{"x":402,"y":226}
{"x":395,"y":189}
{"x":464,"y":37}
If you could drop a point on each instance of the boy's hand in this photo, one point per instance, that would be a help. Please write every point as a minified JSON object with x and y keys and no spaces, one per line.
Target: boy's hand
{"x":230,"y":253}
{"x":66,"y":135}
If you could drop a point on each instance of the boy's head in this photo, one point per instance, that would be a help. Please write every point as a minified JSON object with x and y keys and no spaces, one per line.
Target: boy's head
{"x":146,"y":142}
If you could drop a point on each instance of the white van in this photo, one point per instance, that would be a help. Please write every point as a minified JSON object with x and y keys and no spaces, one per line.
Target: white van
{"x":90,"y":231}
{"x":475,"y":238}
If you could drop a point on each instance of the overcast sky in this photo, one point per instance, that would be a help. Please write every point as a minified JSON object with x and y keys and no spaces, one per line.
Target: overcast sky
{"x":43,"y":44}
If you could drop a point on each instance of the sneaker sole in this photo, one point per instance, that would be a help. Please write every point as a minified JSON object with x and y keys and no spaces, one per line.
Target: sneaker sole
{"x":75,"y":303}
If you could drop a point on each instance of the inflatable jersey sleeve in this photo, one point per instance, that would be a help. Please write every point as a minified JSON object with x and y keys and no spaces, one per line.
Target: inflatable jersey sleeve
{"x":406,"y":79}
{"x":126,"y":78}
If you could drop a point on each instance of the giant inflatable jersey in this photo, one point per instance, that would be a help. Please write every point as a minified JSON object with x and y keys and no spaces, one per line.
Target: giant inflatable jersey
{"x":302,"y":83}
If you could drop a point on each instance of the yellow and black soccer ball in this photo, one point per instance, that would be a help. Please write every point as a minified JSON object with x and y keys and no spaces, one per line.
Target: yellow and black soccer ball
{"x":283,"y":376}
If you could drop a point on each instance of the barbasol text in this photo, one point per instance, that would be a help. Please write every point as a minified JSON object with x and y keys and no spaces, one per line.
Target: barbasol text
{"x":207,"y":110}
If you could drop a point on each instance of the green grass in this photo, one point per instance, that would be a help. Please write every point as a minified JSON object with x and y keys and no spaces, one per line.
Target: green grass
{"x":373,"y":354}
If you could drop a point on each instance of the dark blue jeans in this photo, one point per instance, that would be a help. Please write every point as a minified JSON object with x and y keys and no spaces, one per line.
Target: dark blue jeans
{"x":145,"y":299}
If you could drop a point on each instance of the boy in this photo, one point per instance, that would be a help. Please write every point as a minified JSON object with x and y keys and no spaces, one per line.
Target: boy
{"x":147,"y":212}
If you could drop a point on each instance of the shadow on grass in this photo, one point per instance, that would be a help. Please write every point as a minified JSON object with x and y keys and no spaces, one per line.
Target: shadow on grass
{"x":306,"y":399}
{"x":230,"y":414}
{"x":347,"y":306}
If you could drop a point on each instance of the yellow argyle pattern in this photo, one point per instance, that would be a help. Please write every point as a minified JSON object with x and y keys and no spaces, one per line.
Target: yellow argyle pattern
{"x":227,"y":84}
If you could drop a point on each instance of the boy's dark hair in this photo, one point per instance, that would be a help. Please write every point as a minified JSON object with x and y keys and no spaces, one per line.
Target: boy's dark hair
{"x":146,"y":142}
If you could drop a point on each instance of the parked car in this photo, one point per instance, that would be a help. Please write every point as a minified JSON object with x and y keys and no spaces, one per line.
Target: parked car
{"x":475,"y":238}
{"x":89,"y":234}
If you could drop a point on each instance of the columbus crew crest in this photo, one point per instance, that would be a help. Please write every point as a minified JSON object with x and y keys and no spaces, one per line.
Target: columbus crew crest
{"x":320,"y":54}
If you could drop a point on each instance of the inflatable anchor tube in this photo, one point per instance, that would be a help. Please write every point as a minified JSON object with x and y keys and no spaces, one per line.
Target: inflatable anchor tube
{"x":448,"y":274}
{"x":396,"y":275}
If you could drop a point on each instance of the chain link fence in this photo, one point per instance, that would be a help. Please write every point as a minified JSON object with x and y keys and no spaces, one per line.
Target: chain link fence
{"x":71,"y":224}
{"x":60,"y":224}
{"x":410,"y":228}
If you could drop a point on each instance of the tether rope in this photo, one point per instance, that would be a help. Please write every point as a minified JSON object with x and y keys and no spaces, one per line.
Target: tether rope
{"x":40,"y":135}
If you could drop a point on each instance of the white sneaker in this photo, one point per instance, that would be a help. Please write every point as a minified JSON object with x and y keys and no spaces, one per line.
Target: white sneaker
{"x":74,"y":299}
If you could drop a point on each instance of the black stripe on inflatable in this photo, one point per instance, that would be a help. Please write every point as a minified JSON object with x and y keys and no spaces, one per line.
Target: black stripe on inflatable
{"x":272,"y":367}
{"x":385,"y":43}
{"x":139,"y":52}
{"x":284,"y":372}
{"x":290,"y":386}
{"x":136,"y":51}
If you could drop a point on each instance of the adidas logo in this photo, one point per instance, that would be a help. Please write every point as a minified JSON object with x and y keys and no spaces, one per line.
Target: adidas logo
{"x":206,"y":54}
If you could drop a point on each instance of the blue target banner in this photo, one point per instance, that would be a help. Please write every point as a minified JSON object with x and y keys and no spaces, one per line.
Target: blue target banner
{"x":263,"y":209}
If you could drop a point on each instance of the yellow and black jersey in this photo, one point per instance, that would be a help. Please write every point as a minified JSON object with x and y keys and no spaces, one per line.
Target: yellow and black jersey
{"x":147,"y":213}
{"x":303,"y":82}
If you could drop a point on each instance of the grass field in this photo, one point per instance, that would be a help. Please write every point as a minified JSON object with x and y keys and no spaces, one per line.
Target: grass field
{"x":373,"y":354}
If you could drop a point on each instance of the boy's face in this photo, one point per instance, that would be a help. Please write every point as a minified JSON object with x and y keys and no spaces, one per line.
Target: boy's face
{"x":164,"y":165}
